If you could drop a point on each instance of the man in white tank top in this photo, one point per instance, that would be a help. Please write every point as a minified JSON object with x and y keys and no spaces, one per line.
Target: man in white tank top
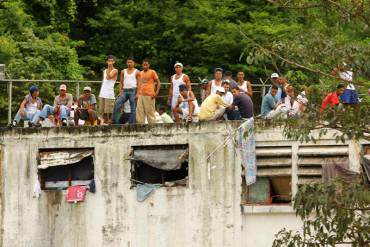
{"x":187,"y":107}
{"x":127,"y":91}
{"x":176,"y":80}
{"x":106,"y":95}
{"x":244,"y":86}
{"x":215,"y":83}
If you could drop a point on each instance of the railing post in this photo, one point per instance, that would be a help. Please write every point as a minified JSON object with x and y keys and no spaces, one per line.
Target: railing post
{"x":78,"y":90}
{"x":10,"y":89}
{"x":263,"y":91}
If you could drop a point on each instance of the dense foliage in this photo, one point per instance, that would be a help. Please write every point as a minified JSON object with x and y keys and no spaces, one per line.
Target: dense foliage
{"x":69,"y":39}
{"x":332,"y":213}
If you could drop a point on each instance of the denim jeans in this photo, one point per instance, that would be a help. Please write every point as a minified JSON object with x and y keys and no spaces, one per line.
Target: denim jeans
{"x":50,"y":110}
{"x":33,"y":117}
{"x":128,"y":94}
{"x":232,"y":115}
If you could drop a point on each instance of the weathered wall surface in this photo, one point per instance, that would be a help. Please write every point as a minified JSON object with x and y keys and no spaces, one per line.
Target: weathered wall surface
{"x":205,"y":213}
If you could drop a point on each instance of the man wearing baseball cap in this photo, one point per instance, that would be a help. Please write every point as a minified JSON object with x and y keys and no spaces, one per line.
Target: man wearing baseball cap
{"x":280,"y":82}
{"x":86,"y":107}
{"x":176,"y":80}
{"x":61,"y":108}
{"x":213,"y":106}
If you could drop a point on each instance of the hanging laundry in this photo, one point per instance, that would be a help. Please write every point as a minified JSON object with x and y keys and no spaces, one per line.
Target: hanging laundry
{"x":143,"y":191}
{"x":246,"y":145}
{"x":76,"y":193}
{"x":37,"y":189}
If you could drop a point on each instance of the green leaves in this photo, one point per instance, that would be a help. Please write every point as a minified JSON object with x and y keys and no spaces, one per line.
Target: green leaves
{"x":332,"y":213}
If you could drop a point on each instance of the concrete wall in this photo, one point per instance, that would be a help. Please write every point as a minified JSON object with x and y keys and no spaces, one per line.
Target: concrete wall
{"x":205,"y":213}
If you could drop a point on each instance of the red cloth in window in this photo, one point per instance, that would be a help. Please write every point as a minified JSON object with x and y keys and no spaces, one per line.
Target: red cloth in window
{"x":76,"y":193}
{"x":331,"y":99}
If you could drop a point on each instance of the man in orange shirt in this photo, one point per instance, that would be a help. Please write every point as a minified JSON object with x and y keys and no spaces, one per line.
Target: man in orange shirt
{"x":148,"y":89}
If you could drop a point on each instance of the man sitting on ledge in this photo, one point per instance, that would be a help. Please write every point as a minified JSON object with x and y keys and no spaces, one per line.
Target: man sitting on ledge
{"x":213,"y":106}
{"x":186,"y":107}
{"x":30,"y":108}
{"x":86,"y":108}
{"x":61,"y":108}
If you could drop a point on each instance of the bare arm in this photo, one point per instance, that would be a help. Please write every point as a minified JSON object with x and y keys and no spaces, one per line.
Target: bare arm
{"x":191,"y":97}
{"x":208,"y":89}
{"x":170,"y":93}
{"x":187,"y":82}
{"x":250,"y":90}
{"x":121,"y":82}
{"x":111,"y":73}
{"x":138,"y":79}
{"x":158,"y":86}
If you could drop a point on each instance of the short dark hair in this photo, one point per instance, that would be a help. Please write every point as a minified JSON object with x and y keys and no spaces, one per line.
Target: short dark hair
{"x":219,"y":69}
{"x":146,"y":60}
{"x":274,"y":87}
{"x":162,"y":108}
{"x":240,"y":71}
{"x":236,"y":87}
{"x":111,"y":57}
{"x":228,"y":73}
{"x":183,"y":87}
{"x":130,"y":58}
{"x":225,"y":82}
{"x":340,"y":85}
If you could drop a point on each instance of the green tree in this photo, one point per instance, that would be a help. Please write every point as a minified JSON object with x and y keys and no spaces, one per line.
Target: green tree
{"x":332,"y":213}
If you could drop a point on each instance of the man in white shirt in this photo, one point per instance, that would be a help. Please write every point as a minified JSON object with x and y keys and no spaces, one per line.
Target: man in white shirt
{"x":230,"y":114}
{"x":127,"y":91}
{"x":106,"y":95}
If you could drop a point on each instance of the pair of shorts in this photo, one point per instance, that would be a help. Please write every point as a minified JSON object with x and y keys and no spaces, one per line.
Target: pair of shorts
{"x":349,"y":97}
{"x":106,"y":105}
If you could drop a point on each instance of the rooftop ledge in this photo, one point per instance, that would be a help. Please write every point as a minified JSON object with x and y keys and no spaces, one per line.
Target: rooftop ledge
{"x":264,"y":130}
{"x":210,"y":126}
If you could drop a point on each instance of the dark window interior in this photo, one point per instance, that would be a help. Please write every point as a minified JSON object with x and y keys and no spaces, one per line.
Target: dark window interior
{"x":268,"y":190}
{"x":142,"y":172}
{"x":61,"y":177}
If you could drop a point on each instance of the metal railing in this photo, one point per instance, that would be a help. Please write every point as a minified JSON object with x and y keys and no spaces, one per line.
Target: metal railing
{"x":261,"y":88}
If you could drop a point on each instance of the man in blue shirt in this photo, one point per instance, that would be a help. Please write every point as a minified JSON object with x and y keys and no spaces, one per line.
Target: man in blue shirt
{"x":280,"y":83}
{"x":270,"y":106}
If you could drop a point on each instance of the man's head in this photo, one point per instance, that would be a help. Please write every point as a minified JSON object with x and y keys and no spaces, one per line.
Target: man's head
{"x":87,"y":91}
{"x":220,"y":91}
{"x":340,"y":89}
{"x":111,"y":60}
{"x":130,"y":62}
{"x":240,"y":75}
{"x":183,"y":90}
{"x":34,"y":91}
{"x":235,"y":91}
{"x":274,"y":77}
{"x":226,"y":85}
{"x":146,"y":64}
{"x":228,"y":74}
{"x":62,"y":89}
{"x":161,"y":110}
{"x":218,"y":73}
{"x":274,"y":90}
{"x":178,"y":68}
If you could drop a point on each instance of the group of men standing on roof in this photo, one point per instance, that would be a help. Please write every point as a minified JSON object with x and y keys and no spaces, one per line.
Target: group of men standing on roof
{"x":222,"y":98}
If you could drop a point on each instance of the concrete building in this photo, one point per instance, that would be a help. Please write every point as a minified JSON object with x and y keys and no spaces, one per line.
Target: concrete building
{"x":209,"y":210}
